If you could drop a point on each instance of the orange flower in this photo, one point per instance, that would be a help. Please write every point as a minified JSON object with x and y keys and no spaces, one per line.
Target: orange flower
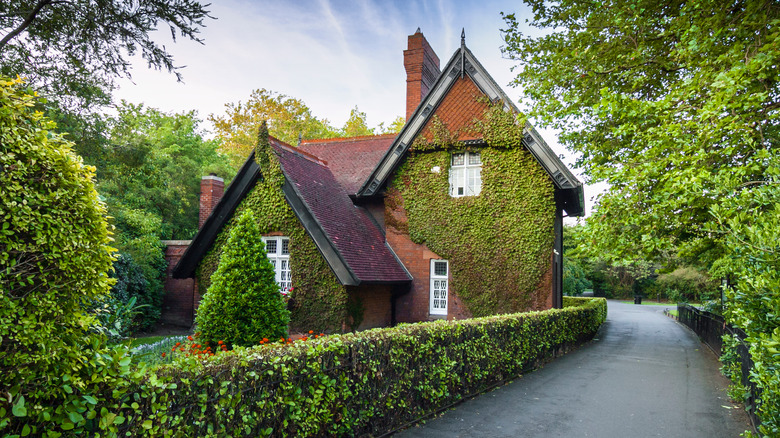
{"x":220,"y":342}
{"x":178,"y":343}
{"x":265,"y":339}
{"x":163,"y":354}
{"x":311,"y":332}
{"x":305,"y":338}
{"x":189,"y":337}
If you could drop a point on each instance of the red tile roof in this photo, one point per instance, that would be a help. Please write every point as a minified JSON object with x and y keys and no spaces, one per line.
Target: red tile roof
{"x":351,"y":160}
{"x":358,"y":240}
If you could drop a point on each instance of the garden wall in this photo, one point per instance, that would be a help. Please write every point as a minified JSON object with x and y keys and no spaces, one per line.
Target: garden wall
{"x":366,"y":383}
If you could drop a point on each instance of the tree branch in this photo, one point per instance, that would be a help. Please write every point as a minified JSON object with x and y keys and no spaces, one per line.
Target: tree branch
{"x":26,"y":23}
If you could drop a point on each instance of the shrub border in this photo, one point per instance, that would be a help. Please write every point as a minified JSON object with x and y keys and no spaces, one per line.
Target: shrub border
{"x":367,"y":383}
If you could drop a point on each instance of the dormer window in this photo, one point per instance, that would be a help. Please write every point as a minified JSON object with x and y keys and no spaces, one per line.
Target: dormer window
{"x":465,"y":174}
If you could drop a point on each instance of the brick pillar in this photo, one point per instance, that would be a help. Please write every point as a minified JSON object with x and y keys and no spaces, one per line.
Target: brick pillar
{"x":422,"y":70}
{"x":178,"y":301}
{"x":211,"y":189}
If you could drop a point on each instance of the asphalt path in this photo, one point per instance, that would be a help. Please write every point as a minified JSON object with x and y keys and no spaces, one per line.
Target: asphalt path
{"x":644,"y":375}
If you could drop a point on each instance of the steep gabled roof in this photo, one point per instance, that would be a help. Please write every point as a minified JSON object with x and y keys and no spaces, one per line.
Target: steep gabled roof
{"x":350,"y":160}
{"x":350,"y":241}
{"x":463,"y":63}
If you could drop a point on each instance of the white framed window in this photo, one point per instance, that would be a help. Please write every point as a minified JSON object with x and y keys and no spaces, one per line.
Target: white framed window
{"x":440,"y":270}
{"x":465,"y":174}
{"x":278,"y":250}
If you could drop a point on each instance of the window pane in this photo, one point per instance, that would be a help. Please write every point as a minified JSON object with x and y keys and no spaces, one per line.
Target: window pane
{"x":458,"y":181}
{"x":270,"y":246}
{"x":474,"y":158}
{"x":440,"y":268}
{"x":285,"y":246}
{"x":458,"y":159}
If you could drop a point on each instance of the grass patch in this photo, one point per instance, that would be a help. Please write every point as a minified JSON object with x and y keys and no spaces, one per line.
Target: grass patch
{"x":143,"y":341}
{"x":150,"y":349}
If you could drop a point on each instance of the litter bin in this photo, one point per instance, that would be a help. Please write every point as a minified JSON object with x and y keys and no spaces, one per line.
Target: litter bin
{"x":637,"y":299}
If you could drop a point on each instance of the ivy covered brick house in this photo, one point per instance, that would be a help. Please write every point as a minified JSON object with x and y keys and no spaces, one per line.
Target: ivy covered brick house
{"x":458,"y":215}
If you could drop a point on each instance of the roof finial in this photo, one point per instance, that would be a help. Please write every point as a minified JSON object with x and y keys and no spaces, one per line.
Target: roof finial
{"x":418,"y":30}
{"x":463,"y":37}
{"x":300,"y":138}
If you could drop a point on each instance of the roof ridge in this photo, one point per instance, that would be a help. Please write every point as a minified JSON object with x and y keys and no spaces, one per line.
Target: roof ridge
{"x":345,"y":139}
{"x":300,"y":152}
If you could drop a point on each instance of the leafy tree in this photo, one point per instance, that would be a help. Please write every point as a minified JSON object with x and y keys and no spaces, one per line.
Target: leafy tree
{"x":356,"y":125}
{"x":72,"y":51}
{"x":150,"y":168}
{"x":54,"y":254}
{"x":676,"y":105}
{"x":153,"y":162}
{"x":243,"y":305}
{"x":394,"y":127}
{"x":575,"y":279}
{"x":287,"y":119}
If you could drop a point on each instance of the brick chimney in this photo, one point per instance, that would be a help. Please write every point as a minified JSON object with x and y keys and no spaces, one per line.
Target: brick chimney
{"x":422,"y":70}
{"x":211,"y":189}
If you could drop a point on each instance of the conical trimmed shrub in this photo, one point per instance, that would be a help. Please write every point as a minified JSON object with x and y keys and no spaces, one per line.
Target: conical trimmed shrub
{"x":243,"y":304}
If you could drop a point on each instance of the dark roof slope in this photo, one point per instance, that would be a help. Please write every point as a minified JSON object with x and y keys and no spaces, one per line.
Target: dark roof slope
{"x":358,"y":242}
{"x":351,"y":242}
{"x":350,"y":160}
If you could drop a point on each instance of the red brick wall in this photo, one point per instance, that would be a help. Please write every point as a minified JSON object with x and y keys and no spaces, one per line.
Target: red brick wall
{"x":377,"y":305}
{"x":179,"y":299}
{"x":211,"y":190}
{"x":422,"y":70}
{"x":462,"y":104}
{"x":414,"y":306}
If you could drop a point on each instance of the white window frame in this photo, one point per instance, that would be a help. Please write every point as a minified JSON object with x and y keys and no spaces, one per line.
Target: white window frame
{"x":439,"y":289}
{"x":280,"y":260}
{"x":466,"y":178}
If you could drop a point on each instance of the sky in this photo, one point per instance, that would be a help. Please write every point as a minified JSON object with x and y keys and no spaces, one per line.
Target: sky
{"x":333,"y":55}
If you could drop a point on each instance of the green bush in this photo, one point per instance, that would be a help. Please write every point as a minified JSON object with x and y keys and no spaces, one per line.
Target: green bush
{"x":361,"y":384}
{"x":54,"y":258}
{"x":243,"y":304}
{"x":687,"y":284}
{"x":574,"y":277}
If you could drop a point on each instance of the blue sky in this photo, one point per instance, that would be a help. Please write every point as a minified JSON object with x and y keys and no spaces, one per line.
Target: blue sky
{"x":333,"y":55}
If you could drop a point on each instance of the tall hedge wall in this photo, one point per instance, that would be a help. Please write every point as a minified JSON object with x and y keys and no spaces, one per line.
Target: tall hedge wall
{"x":366,"y":383}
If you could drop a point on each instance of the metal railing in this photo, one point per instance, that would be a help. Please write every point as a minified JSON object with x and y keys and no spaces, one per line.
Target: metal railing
{"x":711,"y":328}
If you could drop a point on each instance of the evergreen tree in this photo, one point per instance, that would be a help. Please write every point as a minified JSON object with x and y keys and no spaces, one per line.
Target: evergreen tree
{"x":243,"y":304}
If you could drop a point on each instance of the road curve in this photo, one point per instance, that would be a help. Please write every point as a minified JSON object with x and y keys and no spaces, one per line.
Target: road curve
{"x":643,"y":376}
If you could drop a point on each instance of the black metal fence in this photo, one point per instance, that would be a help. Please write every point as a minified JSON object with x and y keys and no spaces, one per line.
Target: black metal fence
{"x":711,"y":328}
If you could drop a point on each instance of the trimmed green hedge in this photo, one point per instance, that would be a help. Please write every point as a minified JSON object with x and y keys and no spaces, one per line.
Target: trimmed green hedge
{"x":355,"y":384}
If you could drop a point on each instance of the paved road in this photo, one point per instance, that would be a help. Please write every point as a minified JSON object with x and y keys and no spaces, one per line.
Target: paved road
{"x":643,"y":376}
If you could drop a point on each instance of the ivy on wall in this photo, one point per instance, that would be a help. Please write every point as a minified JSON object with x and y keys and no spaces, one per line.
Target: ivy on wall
{"x":499,"y":243}
{"x":319,"y":302}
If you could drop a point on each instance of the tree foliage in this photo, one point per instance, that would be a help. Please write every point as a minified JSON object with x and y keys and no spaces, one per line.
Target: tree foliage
{"x":73,"y":50}
{"x":288,"y":119}
{"x":676,"y":106}
{"x":54,"y":255}
{"x":152,"y":162}
{"x":243,"y":305}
